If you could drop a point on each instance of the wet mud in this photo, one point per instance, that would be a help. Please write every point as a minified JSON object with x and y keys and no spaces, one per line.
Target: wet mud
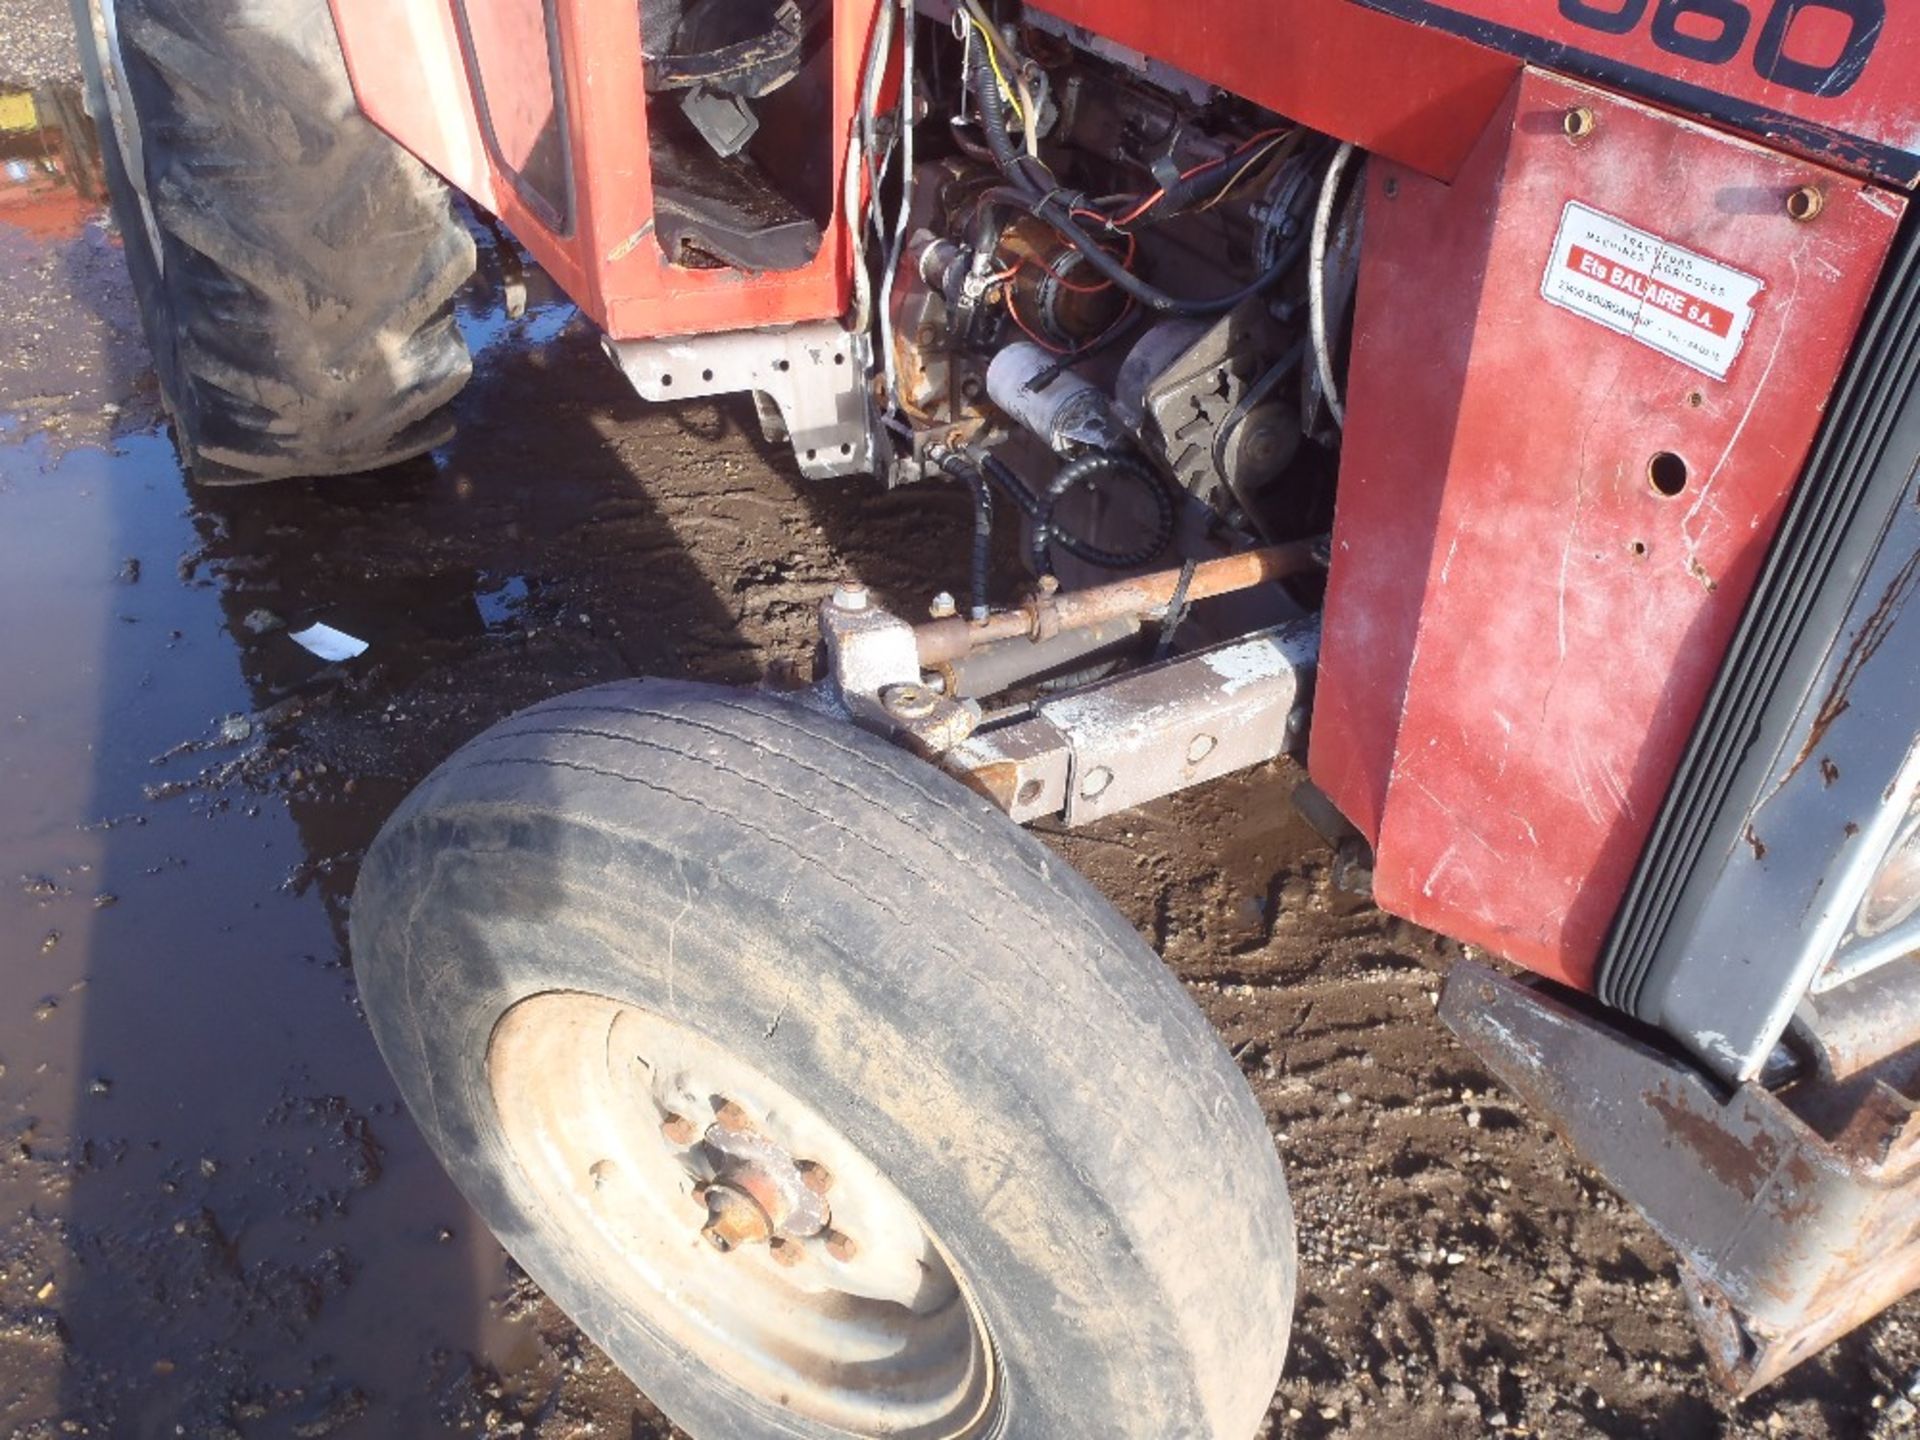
{"x":214,"y":1218}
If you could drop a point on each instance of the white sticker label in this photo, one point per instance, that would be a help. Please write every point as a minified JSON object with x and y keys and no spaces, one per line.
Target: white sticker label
{"x":1682,"y":304}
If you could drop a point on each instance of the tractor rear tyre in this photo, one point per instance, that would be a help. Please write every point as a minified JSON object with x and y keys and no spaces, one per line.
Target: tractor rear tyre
{"x":825,"y":1100}
{"x":295,"y":268}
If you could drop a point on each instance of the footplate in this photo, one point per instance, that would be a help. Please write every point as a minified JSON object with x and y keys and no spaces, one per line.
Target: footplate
{"x":1795,"y":1212}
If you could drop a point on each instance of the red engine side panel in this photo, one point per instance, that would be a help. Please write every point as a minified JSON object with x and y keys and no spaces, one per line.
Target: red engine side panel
{"x":1415,"y":94}
{"x":1521,"y":627}
{"x":1834,"y":79}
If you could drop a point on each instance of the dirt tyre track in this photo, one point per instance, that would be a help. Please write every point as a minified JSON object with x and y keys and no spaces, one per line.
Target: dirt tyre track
{"x":295,"y":267}
{"x":879,"y":941}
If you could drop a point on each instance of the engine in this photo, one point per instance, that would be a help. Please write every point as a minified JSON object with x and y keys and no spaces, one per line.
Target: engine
{"x":1116,"y":301}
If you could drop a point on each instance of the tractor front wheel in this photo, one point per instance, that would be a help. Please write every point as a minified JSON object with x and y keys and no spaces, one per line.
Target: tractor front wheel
{"x":826,"y":1101}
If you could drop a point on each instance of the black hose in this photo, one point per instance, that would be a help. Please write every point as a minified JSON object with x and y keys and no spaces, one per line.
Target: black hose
{"x":1055,"y":205}
{"x":961,"y":468}
{"x":1011,"y":485}
{"x":1086,"y":470}
{"x":993,"y":120}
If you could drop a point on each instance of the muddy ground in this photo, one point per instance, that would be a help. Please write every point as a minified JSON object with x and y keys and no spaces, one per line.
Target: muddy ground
{"x":214,"y":1218}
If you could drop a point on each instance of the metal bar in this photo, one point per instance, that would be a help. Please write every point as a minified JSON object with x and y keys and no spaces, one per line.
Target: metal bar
{"x":1144,"y":597}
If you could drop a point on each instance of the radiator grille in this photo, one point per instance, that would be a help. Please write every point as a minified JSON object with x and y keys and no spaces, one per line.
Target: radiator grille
{"x":1705,"y":807}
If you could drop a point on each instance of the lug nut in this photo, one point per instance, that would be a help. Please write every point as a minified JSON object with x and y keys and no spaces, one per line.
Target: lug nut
{"x":784,"y":1251}
{"x":849,"y":595}
{"x":840,"y":1246}
{"x":815,"y":1176}
{"x":678,"y":1130}
{"x":731,"y":1117}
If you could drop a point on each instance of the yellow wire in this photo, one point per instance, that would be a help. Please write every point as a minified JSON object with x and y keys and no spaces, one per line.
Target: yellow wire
{"x":999,"y":75}
{"x":1259,"y":158}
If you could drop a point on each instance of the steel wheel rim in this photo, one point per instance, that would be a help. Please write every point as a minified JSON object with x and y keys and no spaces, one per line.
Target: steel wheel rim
{"x":651,"y":1148}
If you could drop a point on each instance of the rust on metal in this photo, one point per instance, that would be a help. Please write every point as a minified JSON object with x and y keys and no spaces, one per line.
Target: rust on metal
{"x":1795,"y":1214}
{"x":1147,"y":732}
{"x":1743,"y":1164}
{"x":1866,"y":641}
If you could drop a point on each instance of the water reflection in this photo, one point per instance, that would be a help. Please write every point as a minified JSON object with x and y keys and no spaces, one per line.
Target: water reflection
{"x":50,"y":180}
{"x":217,"y":1220}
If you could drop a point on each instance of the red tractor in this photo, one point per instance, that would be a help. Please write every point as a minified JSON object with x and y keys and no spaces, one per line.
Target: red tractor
{"x":1509,"y":407}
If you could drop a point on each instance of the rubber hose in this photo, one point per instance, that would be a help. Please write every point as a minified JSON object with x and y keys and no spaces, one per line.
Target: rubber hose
{"x":962,"y":469}
{"x":1053,"y":210}
{"x":1086,"y":470}
{"x":993,"y":120}
{"x":1012,"y":485}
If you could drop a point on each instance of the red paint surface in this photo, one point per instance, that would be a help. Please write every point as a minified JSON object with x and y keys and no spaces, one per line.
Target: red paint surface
{"x":410,"y":77}
{"x":1520,"y":631}
{"x":1413,"y":94}
{"x":1878,"y":102}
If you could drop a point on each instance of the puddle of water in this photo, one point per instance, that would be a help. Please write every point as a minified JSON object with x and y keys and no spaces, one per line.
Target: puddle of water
{"x":217,"y":1219}
{"x":214,"y":1218}
{"x":219,"y":1188}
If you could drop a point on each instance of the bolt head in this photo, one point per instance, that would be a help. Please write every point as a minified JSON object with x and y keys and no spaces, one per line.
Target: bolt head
{"x":943,"y":606}
{"x":850,"y":595}
{"x":1048,"y":585}
{"x":841,"y":1246}
{"x":734,"y":1219}
{"x":908,"y":702}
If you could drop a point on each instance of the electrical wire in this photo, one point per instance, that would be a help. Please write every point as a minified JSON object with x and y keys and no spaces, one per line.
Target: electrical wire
{"x":1317,"y":281}
{"x":897,"y":253}
{"x":1048,"y":203}
{"x":860,"y":141}
{"x":1086,"y":470}
{"x":992,"y":43}
{"x":1278,"y":143}
{"x":1194,"y":172}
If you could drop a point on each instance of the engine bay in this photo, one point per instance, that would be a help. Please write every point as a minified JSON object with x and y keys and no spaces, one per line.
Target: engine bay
{"x":1113,"y":302}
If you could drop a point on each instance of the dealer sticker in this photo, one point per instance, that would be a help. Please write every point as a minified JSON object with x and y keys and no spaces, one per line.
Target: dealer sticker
{"x":1682,"y":304}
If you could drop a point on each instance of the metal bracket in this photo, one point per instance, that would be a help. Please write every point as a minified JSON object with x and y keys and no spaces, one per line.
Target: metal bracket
{"x":1796,"y":1216}
{"x":815,"y":373}
{"x":873,"y":676}
{"x":1149,"y":732}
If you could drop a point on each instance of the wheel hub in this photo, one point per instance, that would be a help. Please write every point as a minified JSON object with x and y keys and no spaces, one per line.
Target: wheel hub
{"x":749,"y":1168}
{"x":741,"y":1222}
